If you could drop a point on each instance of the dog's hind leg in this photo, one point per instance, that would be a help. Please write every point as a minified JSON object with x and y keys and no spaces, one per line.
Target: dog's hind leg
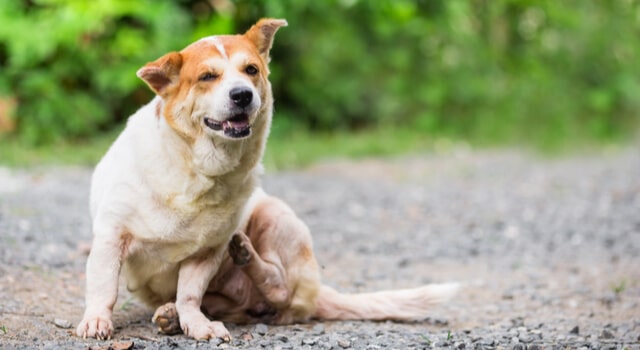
{"x":166,"y":319}
{"x":267,"y":275}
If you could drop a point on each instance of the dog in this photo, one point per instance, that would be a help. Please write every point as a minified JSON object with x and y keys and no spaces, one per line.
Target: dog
{"x":174,"y":186}
{"x":177,"y":207}
{"x":270,"y":275}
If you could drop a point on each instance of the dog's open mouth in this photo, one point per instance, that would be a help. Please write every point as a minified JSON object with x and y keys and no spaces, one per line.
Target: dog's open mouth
{"x":235,"y":127}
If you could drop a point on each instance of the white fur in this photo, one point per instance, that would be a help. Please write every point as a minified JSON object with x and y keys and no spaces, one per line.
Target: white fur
{"x":170,"y":192}
{"x":216,"y":42}
{"x":153,"y":211}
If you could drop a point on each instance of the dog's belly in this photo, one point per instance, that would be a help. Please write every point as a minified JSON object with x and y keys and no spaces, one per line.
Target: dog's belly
{"x":151,"y":269}
{"x":162,"y":240}
{"x":154,"y":282}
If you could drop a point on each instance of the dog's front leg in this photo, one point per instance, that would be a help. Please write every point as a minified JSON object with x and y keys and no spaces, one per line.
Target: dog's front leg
{"x":193,"y":280}
{"x":103,"y":269}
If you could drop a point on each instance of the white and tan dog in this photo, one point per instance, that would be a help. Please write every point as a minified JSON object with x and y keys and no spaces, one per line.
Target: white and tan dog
{"x":179,"y":187}
{"x":171,"y":190}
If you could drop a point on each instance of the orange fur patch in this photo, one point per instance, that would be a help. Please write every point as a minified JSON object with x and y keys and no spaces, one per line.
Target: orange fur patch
{"x":306,"y":253}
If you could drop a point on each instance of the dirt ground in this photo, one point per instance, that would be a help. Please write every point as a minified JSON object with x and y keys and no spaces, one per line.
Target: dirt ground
{"x":547,"y":251}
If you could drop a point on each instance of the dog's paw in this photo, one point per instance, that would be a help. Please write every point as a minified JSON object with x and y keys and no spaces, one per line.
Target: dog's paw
{"x":239,"y":249}
{"x":95,"y":327}
{"x":167,"y":320}
{"x":207,"y":330}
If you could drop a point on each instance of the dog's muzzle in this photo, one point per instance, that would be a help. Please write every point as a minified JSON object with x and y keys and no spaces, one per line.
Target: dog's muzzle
{"x":235,"y":127}
{"x":238,"y":124}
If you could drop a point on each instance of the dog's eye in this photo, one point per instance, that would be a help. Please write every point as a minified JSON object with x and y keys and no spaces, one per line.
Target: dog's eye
{"x":208,"y":76}
{"x":251,"y":70}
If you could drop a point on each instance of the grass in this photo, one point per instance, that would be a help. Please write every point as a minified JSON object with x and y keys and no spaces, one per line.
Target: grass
{"x":426,"y":340}
{"x":84,"y":153}
{"x":288,"y":147}
{"x":285,"y":150}
{"x":619,"y":287}
{"x":300,"y":148}
{"x":125,"y":305}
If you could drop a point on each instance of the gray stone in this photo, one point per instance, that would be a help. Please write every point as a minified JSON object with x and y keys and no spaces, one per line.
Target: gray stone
{"x":343,"y":343}
{"x":606,"y":334}
{"x":261,"y":328}
{"x":309,"y":341}
{"x":575,"y":330}
{"x":62,"y":323}
{"x":525,"y":338}
{"x":318,"y":329}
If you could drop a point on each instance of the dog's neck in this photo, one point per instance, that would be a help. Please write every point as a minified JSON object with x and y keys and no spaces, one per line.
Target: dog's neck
{"x":214,"y":157}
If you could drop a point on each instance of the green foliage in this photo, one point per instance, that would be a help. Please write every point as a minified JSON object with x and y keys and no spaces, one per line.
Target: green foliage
{"x":504,"y":71}
{"x":492,"y":71}
{"x":71,"y":64}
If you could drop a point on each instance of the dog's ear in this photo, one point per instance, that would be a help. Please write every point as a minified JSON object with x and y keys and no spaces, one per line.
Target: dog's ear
{"x":261,"y":34}
{"x":162,"y":72}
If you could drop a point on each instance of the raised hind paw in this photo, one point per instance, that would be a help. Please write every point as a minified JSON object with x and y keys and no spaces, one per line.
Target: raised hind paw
{"x":167,"y":320}
{"x":240,"y":249}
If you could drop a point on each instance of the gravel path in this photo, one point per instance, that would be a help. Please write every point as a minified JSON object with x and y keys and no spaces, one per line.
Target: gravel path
{"x":548,"y":250}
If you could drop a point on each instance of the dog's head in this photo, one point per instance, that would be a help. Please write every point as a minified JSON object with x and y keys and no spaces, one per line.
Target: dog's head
{"x":218,"y":85}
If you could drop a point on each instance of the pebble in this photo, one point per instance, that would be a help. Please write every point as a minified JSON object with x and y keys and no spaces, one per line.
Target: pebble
{"x":460,"y":346}
{"x":525,"y":338}
{"x":281,"y":337}
{"x":216,"y":342}
{"x":485,"y":341}
{"x":609,"y":299}
{"x":62,"y":323}
{"x":283,"y":347}
{"x":318,"y":329}
{"x":261,"y":328}
{"x":517,"y":322}
{"x":606,"y":334}
{"x":508,"y":295}
{"x":345,"y":344}
{"x":575,"y":330}
{"x":309,"y":341}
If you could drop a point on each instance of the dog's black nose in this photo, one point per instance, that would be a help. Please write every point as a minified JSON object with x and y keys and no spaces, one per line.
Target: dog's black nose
{"x":241,"y":96}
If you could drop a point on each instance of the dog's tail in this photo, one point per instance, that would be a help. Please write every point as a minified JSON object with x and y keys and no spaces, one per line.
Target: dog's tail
{"x":400,"y":305}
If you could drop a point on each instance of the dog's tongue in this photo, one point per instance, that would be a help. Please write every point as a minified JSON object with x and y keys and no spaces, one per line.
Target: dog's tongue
{"x":237,"y":122}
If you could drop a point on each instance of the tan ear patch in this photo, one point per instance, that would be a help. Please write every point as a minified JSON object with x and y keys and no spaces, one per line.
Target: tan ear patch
{"x":162,"y":72}
{"x":261,"y":34}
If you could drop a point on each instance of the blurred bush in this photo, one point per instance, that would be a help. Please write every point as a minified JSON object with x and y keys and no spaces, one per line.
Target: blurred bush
{"x":71,"y":64}
{"x":489,"y":70}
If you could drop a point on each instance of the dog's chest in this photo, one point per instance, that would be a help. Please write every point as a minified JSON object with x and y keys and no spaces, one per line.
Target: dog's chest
{"x":172,"y":224}
{"x":181,"y":226}
{"x":170,"y":228}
